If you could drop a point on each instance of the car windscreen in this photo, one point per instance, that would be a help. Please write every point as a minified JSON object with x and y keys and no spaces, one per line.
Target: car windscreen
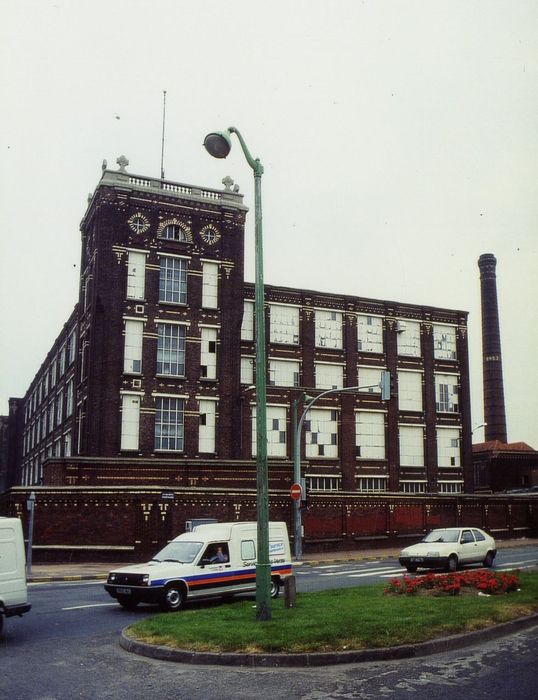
{"x":183,"y":552}
{"x":442,"y":536}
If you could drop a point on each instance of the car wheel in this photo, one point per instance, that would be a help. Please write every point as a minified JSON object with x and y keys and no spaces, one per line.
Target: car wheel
{"x":173,"y":598}
{"x":452,"y":563}
{"x":411,"y":568}
{"x":275,"y":587}
{"x":127,"y":602}
{"x":488,"y":561}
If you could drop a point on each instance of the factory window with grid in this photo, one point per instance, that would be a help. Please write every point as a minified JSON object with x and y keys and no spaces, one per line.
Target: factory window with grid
{"x":444,"y":342}
{"x":370,"y":435}
{"x":284,"y":324}
{"x":207,"y":426}
{"x":136,"y":275}
{"x":411,"y":446}
{"x":132,"y":356}
{"x":410,"y":391}
{"x":408,"y":334}
{"x":413,"y":486}
{"x":450,"y":486}
{"x":247,"y":325}
{"x":284,"y":373}
{"x":328,"y":329}
{"x":210,"y":285}
{"x":321,"y":433}
{"x":171,"y":349}
{"x":371,"y":484}
{"x":208,"y":354}
{"x":276,"y":417}
{"x":130,"y":419}
{"x":329,"y":375}
{"x":321,"y":482}
{"x":247,"y":370}
{"x":446,"y":393}
{"x":370,"y":333}
{"x":448,"y":447}
{"x":174,"y":232}
{"x":370,"y":379}
{"x":173,"y":280}
{"x":169,"y":424}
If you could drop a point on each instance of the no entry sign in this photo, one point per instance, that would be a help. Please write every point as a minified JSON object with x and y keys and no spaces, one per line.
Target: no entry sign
{"x":296,"y":492}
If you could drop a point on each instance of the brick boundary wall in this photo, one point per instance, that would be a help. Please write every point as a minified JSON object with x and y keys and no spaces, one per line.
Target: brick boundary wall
{"x":123,"y":524}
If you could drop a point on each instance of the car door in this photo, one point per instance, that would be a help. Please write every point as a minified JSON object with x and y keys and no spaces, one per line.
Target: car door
{"x":481,"y":545}
{"x":467,"y":547}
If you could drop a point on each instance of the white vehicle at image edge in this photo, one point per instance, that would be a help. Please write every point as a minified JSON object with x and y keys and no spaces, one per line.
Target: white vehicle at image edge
{"x":13,"y":592}
{"x":449,"y":548}
{"x":212,"y":560}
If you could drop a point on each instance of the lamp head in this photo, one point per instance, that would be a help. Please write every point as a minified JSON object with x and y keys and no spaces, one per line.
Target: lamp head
{"x":218,"y":144}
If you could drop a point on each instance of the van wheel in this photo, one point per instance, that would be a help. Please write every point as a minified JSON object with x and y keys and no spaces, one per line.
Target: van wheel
{"x":411,"y":568}
{"x":275,"y":587}
{"x":127,"y":602}
{"x":173,"y":598}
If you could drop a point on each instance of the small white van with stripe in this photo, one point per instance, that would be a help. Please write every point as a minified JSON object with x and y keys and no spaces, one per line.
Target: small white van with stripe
{"x":212,"y":560}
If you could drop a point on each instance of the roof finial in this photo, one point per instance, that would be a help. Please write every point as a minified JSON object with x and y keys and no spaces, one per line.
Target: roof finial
{"x":123,"y":162}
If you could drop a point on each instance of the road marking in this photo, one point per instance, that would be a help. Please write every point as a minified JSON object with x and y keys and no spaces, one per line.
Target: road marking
{"x":516,"y":563}
{"x":93,"y":605}
{"x":384,"y":573}
{"x":361,"y":572}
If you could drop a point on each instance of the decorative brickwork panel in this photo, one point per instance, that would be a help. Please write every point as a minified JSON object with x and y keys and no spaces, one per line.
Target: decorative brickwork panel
{"x":368,"y":521}
{"x":408,"y":518}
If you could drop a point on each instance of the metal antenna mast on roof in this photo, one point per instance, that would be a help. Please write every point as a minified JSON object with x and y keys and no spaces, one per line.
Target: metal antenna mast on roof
{"x":162,"y":144}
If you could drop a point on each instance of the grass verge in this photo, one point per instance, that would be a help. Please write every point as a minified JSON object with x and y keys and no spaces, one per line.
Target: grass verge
{"x":335,"y":620}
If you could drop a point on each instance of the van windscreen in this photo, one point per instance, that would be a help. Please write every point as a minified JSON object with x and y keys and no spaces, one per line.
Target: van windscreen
{"x":182,"y":552}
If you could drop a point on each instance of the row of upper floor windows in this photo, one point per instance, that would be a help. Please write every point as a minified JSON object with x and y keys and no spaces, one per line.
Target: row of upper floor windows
{"x":39,"y":426}
{"x":284,"y":328}
{"x":410,"y":384}
{"x":321,"y":432}
{"x":57,"y":367}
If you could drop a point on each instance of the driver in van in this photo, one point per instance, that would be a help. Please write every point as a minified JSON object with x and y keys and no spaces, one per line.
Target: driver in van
{"x":219,"y":556}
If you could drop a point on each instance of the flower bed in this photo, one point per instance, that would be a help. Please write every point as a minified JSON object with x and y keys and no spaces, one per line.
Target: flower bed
{"x":482,"y":581}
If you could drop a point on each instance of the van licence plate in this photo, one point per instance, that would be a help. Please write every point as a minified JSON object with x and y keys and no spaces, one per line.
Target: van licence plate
{"x":123,"y":591}
{"x":417,"y":560}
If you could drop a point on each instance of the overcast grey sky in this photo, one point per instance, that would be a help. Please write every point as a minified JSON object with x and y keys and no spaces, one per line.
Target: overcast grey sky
{"x":399,"y":141}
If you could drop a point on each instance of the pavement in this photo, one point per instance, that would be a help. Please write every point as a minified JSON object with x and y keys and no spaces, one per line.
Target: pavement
{"x":97,"y":571}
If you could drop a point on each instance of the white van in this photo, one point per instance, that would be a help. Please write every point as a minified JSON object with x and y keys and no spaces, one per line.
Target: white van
{"x":211,"y":560}
{"x":13,"y":593}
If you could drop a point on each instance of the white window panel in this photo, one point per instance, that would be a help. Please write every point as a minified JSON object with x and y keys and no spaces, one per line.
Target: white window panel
{"x":69,"y":399}
{"x":370,"y":377}
{"x":446,"y":393}
{"x":247,"y":325}
{"x":276,"y":431}
{"x":210,"y":285}
{"x":67,"y":444}
{"x":450,"y":486}
{"x":411,"y":446}
{"x":207,"y":426}
{"x":413,"y":486}
{"x":171,"y":338}
{"x":59,"y":408}
{"x":448,"y":447}
{"x":130,"y":421}
{"x":329,"y":375}
{"x":370,"y":333}
{"x":410,"y":391}
{"x":328,"y":328}
{"x":72,"y":347}
{"x":136,"y":275}
{"x":444,"y":342}
{"x":284,"y":373}
{"x":247,"y":370}
{"x":370,"y":435}
{"x":321,"y":433}
{"x":408,"y":334}
{"x":132,"y":357}
{"x":173,"y":280}
{"x":208,"y":355}
{"x":284,"y":324}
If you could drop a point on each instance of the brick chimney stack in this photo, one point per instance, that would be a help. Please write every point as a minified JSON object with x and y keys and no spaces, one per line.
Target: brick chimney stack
{"x":494,"y":410}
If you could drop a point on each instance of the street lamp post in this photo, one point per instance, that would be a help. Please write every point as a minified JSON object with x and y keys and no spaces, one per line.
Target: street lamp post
{"x":218,"y":144}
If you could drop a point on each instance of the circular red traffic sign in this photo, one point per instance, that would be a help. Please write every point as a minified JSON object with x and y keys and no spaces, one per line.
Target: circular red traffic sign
{"x":296,"y":491}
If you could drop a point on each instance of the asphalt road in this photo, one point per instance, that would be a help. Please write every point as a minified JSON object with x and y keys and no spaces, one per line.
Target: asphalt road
{"x":67,"y":647}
